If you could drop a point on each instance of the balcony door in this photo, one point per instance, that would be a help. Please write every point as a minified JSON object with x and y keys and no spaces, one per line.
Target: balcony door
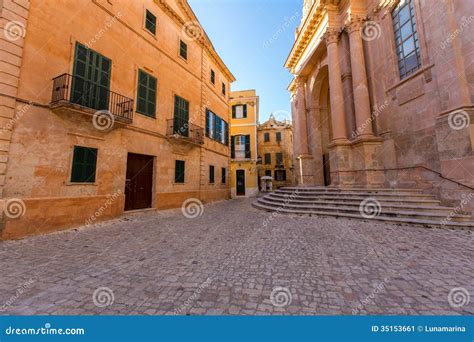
{"x":91,"y":78}
{"x":181,"y":116}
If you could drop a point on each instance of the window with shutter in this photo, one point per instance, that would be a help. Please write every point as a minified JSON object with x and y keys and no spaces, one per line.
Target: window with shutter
{"x":181,"y":116}
{"x":216,"y":128}
{"x":223,"y":175}
{"x":268,"y":158}
{"x":279,"y":158}
{"x":183,"y":49}
{"x":150,"y":22}
{"x":232,"y":147}
{"x":278,"y":136}
{"x":179,"y":171}
{"x":266,"y":137}
{"x":247,"y":147}
{"x":84,"y":164}
{"x":211,"y":174}
{"x":146,"y":97}
{"x":213,"y":77}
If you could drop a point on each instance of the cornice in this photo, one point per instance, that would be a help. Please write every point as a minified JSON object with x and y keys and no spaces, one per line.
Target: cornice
{"x":306,"y":33}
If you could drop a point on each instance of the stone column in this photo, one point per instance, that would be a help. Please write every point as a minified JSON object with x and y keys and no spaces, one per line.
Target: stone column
{"x":359,"y":79}
{"x":301,"y":139}
{"x":335,"y":86}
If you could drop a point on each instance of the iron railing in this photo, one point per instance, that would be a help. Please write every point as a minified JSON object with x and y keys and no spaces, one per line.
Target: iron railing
{"x":76,"y":90}
{"x":181,"y":128}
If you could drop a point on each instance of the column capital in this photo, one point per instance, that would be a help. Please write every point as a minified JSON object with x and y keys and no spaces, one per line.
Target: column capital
{"x":300,"y":80}
{"x":332,"y":35}
{"x":355,"y":24}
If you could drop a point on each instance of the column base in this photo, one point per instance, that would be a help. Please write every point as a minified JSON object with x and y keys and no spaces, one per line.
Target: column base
{"x":306,"y":170}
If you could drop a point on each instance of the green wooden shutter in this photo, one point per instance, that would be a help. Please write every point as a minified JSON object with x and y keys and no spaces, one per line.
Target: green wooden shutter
{"x":146,"y":94}
{"x":233,"y":112}
{"x":247,"y":146}
{"x":245,"y":111}
{"x":232,"y":147}
{"x":84,"y":165}
{"x":179,"y":171}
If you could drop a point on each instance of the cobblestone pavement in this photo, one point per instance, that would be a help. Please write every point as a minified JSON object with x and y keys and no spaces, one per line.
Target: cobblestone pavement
{"x":237,"y":260}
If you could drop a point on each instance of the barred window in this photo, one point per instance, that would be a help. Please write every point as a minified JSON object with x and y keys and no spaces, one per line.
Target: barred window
{"x":406,"y":38}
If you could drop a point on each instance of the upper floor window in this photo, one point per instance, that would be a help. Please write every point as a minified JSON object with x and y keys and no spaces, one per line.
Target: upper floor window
{"x":150,"y":22}
{"x":223,"y":175}
{"x":278,"y":136}
{"x":183,"y":49}
{"x":406,"y":38}
{"x":211,"y":174}
{"x":240,"y":147}
{"x":266,"y":137}
{"x":146,"y":94}
{"x":268,"y":158}
{"x":223,"y":88}
{"x":279,"y":158}
{"x":216,"y":128}
{"x":213,"y":77}
{"x":239,"y":111}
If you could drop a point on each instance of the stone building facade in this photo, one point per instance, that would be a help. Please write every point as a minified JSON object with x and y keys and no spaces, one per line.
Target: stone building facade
{"x":383,"y":95}
{"x":106,"y":106}
{"x":275,"y":150}
{"x":243,"y":143}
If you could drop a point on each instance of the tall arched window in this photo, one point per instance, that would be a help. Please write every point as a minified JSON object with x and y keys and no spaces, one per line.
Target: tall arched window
{"x":406,"y":38}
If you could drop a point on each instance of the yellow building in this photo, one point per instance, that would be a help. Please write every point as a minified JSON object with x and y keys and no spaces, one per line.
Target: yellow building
{"x":244,"y":155}
{"x":106,"y":107}
{"x":275,"y":148}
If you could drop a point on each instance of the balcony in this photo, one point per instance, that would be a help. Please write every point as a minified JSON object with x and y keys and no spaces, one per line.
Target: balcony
{"x":183,"y":130}
{"x":74,"y":94}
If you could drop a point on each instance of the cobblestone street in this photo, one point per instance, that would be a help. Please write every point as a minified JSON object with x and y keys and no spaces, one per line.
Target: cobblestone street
{"x":237,"y":260}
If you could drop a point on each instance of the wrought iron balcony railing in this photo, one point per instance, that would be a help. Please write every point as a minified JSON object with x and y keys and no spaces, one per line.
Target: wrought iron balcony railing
{"x":183,"y":129}
{"x":78,"y":91}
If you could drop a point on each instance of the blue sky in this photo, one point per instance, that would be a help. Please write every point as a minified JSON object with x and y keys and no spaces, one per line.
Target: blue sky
{"x":254,"y":37}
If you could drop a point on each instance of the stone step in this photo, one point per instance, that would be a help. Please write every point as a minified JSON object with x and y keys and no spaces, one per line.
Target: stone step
{"x":351,"y":193}
{"x":354,"y":199}
{"x":355,"y":189}
{"x":415,"y":205}
{"x":410,"y":221}
{"x":355,"y":210}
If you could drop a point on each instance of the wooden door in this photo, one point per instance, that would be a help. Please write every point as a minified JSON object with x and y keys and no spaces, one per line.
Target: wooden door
{"x":139,"y":182}
{"x":240,"y":179}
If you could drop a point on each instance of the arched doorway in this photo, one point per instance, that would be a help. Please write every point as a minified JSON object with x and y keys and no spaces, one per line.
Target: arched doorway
{"x":321,"y":125}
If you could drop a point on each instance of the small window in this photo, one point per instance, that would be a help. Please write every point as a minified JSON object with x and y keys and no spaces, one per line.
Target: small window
{"x":146,"y":99}
{"x":223,"y":175}
{"x":266,"y":137}
{"x":84,"y":164}
{"x":278,"y":136}
{"x":183,"y":49}
{"x":239,"y":111}
{"x":179,"y":171}
{"x":280,"y":175}
{"x":268,"y":158}
{"x":150,"y":22}
{"x":223,"y":88}
{"x":279,"y":158}
{"x":211,"y":174}
{"x":268,"y":173}
{"x":213,"y":77}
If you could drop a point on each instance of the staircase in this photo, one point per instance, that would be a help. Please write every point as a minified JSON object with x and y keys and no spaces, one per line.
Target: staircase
{"x":408,"y":206}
